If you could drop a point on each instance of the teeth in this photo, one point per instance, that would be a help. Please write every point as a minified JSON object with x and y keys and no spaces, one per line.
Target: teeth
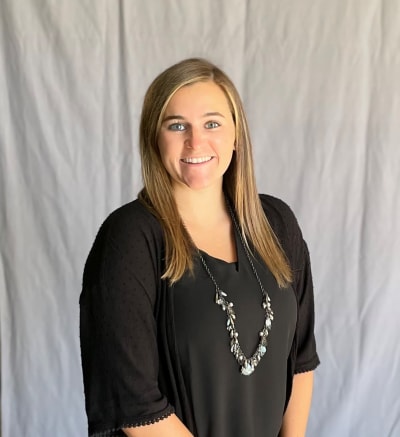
{"x":197,"y":160}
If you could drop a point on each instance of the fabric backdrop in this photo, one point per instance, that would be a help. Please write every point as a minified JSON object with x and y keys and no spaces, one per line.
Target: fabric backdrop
{"x":321,"y":84}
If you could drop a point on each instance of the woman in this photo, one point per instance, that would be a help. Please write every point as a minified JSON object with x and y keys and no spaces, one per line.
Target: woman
{"x":197,"y":311}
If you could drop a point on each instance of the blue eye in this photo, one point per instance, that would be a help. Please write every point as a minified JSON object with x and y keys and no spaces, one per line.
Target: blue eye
{"x":177,"y":127}
{"x":212,"y":124}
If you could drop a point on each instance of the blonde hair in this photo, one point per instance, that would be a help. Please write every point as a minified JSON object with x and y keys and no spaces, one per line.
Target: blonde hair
{"x":239,"y":180}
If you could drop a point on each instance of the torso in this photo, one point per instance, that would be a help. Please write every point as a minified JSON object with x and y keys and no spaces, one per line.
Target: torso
{"x":223,"y":402}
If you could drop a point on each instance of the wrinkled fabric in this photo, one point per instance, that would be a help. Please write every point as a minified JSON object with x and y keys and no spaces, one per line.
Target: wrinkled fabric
{"x":319,"y":81}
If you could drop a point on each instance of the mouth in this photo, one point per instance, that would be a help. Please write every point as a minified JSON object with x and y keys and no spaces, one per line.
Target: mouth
{"x":197,"y":160}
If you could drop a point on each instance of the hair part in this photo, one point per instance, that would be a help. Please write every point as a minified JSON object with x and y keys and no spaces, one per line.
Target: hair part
{"x":239,"y":180}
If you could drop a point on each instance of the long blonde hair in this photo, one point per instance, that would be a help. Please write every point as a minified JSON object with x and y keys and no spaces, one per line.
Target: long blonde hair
{"x":239,"y":180}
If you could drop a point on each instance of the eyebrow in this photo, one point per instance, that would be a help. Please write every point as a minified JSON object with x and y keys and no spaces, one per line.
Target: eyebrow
{"x":180,"y":117}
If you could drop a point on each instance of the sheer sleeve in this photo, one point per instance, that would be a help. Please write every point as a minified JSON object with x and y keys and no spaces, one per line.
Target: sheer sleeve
{"x":117,"y":326}
{"x":304,"y":355}
{"x":306,"y":352}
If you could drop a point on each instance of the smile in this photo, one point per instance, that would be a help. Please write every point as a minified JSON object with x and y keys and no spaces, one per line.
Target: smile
{"x":197,"y":160}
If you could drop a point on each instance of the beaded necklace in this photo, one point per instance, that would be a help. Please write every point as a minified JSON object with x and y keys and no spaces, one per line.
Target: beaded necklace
{"x":247,"y":365}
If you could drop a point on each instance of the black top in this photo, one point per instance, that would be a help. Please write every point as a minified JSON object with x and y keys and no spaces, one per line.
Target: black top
{"x":149,"y":349}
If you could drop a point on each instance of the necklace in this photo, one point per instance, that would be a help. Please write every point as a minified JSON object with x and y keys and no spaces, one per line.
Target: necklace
{"x":247,"y":365}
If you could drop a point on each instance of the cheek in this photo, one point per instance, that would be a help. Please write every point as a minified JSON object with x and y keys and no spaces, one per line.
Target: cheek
{"x":166,"y":144}
{"x":163,"y":148}
{"x":168,"y":160}
{"x":226,"y":144}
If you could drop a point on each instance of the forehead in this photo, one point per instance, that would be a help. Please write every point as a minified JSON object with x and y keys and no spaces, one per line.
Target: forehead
{"x":202,"y":96}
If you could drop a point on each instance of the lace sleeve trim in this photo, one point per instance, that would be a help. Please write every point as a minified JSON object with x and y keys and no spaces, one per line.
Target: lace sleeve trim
{"x":133,"y":424}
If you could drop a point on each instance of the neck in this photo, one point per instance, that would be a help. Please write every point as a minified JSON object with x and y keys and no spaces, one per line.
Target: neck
{"x":200,"y":206}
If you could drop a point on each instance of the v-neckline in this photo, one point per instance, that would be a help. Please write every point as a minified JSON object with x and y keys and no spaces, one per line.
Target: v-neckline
{"x":235,"y":264}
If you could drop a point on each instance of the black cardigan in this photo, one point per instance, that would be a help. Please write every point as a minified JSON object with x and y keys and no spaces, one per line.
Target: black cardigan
{"x":129,"y":371}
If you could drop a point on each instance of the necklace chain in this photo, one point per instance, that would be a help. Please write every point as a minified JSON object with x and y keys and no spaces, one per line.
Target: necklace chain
{"x":247,"y":365}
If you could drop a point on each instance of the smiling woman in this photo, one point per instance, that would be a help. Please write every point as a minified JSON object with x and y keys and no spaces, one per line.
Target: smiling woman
{"x":159,"y":356}
{"x":196,"y":146}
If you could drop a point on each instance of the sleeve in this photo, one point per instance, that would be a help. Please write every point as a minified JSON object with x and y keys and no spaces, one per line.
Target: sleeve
{"x":304,"y":355}
{"x":118,"y":330}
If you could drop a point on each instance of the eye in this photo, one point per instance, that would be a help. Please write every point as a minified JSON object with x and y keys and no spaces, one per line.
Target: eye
{"x":212,"y":125}
{"x":177,"y":127}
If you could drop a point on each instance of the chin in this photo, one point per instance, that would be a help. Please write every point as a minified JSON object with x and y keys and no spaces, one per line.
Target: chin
{"x":204,"y":187}
{"x":199,"y":184}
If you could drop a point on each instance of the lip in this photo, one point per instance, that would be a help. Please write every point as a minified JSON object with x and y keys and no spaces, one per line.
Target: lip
{"x":196,"y":160}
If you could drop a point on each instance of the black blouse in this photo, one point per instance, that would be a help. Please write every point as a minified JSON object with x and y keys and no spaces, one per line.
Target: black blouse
{"x":149,"y":350}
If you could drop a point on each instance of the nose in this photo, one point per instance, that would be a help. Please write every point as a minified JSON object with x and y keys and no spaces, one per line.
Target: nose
{"x":195,"y":138}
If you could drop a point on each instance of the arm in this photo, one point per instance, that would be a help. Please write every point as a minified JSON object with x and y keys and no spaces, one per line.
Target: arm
{"x":169,"y":427}
{"x":118,"y":329}
{"x":296,"y":416}
{"x":303,"y":357}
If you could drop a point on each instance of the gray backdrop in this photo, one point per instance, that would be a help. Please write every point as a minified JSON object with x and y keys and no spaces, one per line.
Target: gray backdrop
{"x":321,"y":84}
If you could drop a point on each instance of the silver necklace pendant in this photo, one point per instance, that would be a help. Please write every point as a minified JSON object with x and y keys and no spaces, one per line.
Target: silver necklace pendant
{"x":247,"y":365}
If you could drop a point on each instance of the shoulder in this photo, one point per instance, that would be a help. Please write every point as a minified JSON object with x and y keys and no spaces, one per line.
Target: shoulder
{"x":280,"y":216}
{"x":133,"y":213}
{"x":129,"y":233}
{"x":132,"y":221}
{"x":285,"y":226}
